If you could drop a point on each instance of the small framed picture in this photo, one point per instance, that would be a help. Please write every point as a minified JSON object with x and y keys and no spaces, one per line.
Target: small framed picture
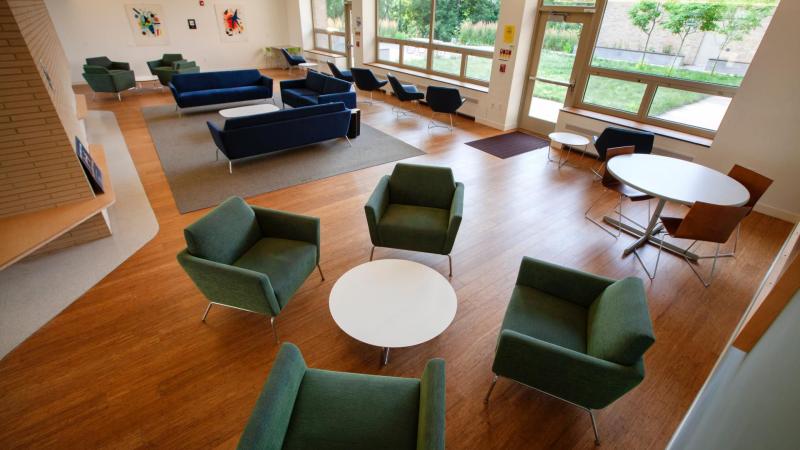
{"x":192,"y":24}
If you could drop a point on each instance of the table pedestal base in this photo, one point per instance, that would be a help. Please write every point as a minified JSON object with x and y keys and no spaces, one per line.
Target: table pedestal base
{"x":635,"y":232}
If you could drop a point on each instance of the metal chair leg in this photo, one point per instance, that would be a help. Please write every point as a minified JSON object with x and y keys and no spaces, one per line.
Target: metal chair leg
{"x":706,"y":282}
{"x":230,"y":167}
{"x":274,"y":331}
{"x":348,"y":141}
{"x":594,"y":427}
{"x":451,"y":121}
{"x":372,"y":253}
{"x":735,"y":243}
{"x":658,"y":258}
{"x":119,"y":96}
{"x":216,"y":153}
{"x":205,"y":314}
{"x":450,"y":260}
{"x":491,"y":388}
{"x":320,"y":272}
{"x":617,"y":209}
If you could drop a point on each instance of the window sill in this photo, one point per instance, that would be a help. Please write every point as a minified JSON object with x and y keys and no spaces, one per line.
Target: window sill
{"x":325,"y":53}
{"x":658,"y":131}
{"x":437,"y":78}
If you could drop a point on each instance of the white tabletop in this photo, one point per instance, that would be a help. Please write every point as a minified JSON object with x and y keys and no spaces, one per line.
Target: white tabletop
{"x":568,"y":138}
{"x":143,"y":78}
{"x":308,"y":64}
{"x":248,"y":110}
{"x":393,"y":303}
{"x":677,"y":180}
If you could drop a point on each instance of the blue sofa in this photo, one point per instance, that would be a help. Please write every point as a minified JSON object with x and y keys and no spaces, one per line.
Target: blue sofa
{"x":316,"y":89}
{"x":211,"y":88}
{"x":259,"y":134}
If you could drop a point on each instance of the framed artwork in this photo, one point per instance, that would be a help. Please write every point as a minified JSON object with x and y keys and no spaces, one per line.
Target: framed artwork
{"x":147,"y":24}
{"x":232,"y":22}
{"x":92,"y":170}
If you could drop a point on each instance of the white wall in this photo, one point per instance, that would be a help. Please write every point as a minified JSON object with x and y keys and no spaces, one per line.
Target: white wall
{"x":100,"y":28}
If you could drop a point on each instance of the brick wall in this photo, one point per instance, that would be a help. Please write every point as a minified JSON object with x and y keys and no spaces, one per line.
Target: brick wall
{"x":38,"y":125}
{"x":93,"y":228}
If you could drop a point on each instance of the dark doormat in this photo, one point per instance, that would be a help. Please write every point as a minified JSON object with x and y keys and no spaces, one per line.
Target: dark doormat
{"x":508,"y":145}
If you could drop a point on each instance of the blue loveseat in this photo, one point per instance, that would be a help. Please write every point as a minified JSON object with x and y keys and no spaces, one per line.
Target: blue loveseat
{"x":316,"y":89}
{"x":259,"y":134}
{"x":211,"y":88}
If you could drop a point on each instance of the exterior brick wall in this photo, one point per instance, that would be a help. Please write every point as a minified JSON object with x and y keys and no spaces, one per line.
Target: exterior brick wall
{"x":38,"y":124}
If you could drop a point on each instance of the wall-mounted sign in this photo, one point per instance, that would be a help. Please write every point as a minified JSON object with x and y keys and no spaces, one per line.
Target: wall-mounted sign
{"x":505,"y":54}
{"x":192,"y":24}
{"x":508,"y":34}
{"x":92,"y":170}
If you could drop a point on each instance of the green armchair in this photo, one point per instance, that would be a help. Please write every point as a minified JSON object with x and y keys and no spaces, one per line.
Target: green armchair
{"x":303,"y":408}
{"x":250,"y":258}
{"x":417,"y":208}
{"x":573,"y":335}
{"x":104,"y":75}
{"x":169,"y":65}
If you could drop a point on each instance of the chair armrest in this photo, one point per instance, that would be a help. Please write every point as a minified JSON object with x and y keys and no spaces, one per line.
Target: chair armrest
{"x":216,"y":135}
{"x":375,"y":207}
{"x":272,"y":414}
{"x":456,"y":214}
{"x":286,"y":225}
{"x":289,"y":84}
{"x":267,"y":82}
{"x":123,"y":80}
{"x":120,"y":65}
{"x":153,"y":64}
{"x":348,"y":98}
{"x":183,"y":65}
{"x":573,"y":376}
{"x":569,"y":284}
{"x":231,"y":285}
{"x":431,"y":425}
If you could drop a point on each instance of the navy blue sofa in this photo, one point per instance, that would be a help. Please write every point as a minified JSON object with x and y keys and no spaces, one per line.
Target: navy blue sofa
{"x":316,"y":89}
{"x":259,"y":134}
{"x":211,"y":88}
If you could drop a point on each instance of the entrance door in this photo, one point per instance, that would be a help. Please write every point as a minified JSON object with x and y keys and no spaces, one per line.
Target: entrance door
{"x":561,"y":40}
{"x":348,"y":33}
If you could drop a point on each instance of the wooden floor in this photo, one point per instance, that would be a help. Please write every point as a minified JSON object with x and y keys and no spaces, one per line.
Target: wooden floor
{"x":130,"y":364}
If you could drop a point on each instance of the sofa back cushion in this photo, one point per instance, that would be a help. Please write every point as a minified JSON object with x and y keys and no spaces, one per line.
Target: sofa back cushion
{"x":285,"y":114}
{"x":201,"y":81}
{"x":335,"y":86}
{"x":237,"y":78}
{"x":413,"y":184}
{"x":618,"y":327}
{"x":225,"y":233}
{"x":315,"y":81}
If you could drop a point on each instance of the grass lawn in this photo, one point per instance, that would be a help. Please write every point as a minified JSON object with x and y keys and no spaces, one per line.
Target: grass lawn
{"x":619,"y":94}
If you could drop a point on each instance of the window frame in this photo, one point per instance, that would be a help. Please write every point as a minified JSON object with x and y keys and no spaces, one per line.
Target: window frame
{"x":328,"y":33}
{"x":430,"y":45}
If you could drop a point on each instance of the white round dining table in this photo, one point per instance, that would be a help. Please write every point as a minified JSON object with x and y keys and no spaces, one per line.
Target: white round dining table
{"x":675,"y":180}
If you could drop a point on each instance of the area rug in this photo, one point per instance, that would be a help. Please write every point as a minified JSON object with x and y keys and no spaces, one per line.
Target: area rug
{"x":198,"y":180}
{"x":508,"y":145}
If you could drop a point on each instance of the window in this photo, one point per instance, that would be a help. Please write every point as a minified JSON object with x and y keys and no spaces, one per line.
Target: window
{"x":461,"y":45}
{"x":674,"y":63}
{"x":328,"y":18}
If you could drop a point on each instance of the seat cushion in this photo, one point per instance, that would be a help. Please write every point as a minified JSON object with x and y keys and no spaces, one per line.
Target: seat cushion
{"x":335,"y":410}
{"x":547,"y":318}
{"x":618,"y":323}
{"x":287,"y":263}
{"x":413,"y":227}
{"x":225,"y":233}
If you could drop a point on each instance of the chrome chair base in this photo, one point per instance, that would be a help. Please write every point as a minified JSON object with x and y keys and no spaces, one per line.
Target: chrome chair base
{"x":433,"y":124}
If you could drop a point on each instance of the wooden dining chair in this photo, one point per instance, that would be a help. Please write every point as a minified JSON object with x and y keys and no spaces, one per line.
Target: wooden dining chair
{"x":624,"y":191}
{"x":756,"y":184}
{"x":704,"y":222}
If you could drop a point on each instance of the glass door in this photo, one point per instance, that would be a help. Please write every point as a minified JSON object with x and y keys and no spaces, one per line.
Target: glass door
{"x":560,"y":41}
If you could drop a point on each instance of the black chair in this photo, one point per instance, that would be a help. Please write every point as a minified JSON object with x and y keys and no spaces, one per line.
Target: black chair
{"x":292,"y":60}
{"x":613,"y":137}
{"x":367,"y":81}
{"x":404,"y":93}
{"x":443,"y":100}
{"x":340,"y":74}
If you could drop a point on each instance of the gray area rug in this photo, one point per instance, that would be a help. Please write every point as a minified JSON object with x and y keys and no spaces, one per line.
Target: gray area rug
{"x":198,"y":181}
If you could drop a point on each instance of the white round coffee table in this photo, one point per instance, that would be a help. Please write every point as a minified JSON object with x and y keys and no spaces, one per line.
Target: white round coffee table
{"x":249,"y":110}
{"x":569,"y":140}
{"x":308,"y":65}
{"x":392,"y":303}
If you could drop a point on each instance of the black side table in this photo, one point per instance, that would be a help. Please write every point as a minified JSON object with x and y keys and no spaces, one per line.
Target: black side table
{"x":355,"y":123}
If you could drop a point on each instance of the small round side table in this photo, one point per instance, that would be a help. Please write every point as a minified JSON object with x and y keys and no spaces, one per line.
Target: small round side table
{"x":568,"y":140}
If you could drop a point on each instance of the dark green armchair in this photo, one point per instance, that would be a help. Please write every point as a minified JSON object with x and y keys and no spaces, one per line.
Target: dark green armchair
{"x":250,"y":258}
{"x":104,"y":75}
{"x":303,"y":408}
{"x":573,"y":335}
{"x":417,"y":208}
{"x":169,"y":65}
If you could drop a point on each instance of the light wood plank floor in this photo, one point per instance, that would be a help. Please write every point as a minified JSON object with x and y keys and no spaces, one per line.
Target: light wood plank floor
{"x":130,"y":364}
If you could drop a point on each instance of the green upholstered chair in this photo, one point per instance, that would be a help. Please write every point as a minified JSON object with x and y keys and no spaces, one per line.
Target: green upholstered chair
{"x":169,"y":65}
{"x":573,"y":335}
{"x":417,"y":208}
{"x":104,"y":75}
{"x":303,"y":408}
{"x":250,"y":258}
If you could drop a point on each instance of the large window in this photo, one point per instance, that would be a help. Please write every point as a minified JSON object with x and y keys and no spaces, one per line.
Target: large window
{"x":451,"y":38}
{"x":674,"y":63}
{"x":328,"y":18}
